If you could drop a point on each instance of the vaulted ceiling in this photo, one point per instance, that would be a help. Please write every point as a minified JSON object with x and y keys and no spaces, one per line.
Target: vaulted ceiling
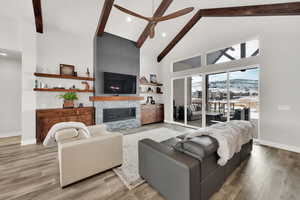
{"x":81,"y":17}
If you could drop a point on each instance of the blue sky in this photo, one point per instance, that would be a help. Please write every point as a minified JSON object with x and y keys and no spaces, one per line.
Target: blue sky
{"x":251,"y":74}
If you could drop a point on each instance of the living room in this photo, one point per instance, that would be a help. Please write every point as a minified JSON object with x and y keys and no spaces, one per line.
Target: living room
{"x":156,"y":99}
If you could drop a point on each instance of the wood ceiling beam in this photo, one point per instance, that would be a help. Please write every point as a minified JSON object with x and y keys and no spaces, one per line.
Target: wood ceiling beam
{"x":180,"y":35}
{"x":108,"y":4}
{"x":37,"y":10}
{"x":281,"y":9}
{"x":158,"y":13}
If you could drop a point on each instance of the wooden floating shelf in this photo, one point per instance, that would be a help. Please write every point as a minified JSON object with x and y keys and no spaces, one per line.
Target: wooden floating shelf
{"x":116,"y":98}
{"x":152,"y":84}
{"x":60,"y":90}
{"x":151,"y":93}
{"x":63,"y":76}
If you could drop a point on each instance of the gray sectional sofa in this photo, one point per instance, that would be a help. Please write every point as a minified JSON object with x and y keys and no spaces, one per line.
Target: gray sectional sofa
{"x":186,"y":171}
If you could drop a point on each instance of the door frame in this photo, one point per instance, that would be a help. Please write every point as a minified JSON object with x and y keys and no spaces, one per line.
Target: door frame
{"x":204,"y":74}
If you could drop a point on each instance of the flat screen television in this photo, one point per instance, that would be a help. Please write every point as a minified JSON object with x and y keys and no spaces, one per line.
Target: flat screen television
{"x":119,"y":83}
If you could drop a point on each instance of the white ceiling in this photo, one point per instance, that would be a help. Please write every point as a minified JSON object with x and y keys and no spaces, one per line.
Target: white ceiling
{"x":81,"y":16}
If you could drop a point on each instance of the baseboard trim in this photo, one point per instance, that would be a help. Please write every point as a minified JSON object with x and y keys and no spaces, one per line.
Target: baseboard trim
{"x":10,"y":134}
{"x":28,"y":142}
{"x":279,"y":146}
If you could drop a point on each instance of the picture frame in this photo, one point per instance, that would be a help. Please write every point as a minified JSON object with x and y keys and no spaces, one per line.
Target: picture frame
{"x":68,"y":70}
{"x":153,"y":78}
{"x":143,"y":80}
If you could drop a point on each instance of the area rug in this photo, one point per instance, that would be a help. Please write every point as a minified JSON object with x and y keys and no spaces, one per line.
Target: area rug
{"x":128,"y":172}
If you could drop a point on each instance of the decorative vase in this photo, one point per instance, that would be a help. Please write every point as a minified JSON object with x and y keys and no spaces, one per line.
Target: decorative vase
{"x":68,"y":104}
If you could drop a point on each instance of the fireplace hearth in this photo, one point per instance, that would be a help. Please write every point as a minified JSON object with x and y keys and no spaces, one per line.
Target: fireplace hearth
{"x":118,"y":114}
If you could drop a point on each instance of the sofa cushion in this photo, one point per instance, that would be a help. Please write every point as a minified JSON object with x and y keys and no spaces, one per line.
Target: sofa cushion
{"x":96,"y":130}
{"x":66,"y":135}
{"x":171,"y":142}
{"x":198,"y":147}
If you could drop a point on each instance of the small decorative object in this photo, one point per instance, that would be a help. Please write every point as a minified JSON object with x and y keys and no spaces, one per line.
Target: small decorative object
{"x":42,"y":85}
{"x":149,"y":100}
{"x":88,"y":72}
{"x":80,"y":105}
{"x":36,"y":84}
{"x":69,"y":98}
{"x":86,"y":84}
{"x":143,"y":80}
{"x":73,"y":87}
{"x":67,"y":69}
{"x":158,"y":90}
{"x":153,"y":78}
{"x":152,"y":101}
{"x":75,"y":74}
{"x":149,"y":89}
{"x":59,"y":87}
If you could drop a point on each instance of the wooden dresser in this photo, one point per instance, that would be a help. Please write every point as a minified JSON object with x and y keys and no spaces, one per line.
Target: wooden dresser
{"x":152,"y":113}
{"x":46,"y":118}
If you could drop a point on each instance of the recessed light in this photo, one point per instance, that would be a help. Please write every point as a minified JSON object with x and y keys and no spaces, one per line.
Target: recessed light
{"x":3,"y":54}
{"x":164,"y":34}
{"x":128,"y":19}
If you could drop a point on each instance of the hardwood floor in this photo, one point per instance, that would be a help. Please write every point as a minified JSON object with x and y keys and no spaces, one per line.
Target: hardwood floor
{"x":31,"y":173}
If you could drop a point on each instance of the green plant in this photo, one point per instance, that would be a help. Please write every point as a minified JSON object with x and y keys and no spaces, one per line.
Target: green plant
{"x":69,"y":96}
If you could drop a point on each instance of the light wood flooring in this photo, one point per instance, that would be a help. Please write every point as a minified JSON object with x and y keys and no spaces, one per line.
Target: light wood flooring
{"x":31,"y":173}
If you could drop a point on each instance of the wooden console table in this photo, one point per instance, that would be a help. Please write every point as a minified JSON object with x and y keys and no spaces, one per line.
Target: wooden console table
{"x":152,"y":113}
{"x":46,"y":118}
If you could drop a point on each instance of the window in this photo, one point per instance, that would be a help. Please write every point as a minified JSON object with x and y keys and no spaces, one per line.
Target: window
{"x":187,"y":64}
{"x":235,"y":52}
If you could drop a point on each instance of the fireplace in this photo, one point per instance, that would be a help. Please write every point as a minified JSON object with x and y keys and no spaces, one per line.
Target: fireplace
{"x":118,"y":114}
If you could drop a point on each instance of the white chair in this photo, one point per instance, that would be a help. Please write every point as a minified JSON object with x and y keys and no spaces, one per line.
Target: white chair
{"x":81,"y":157}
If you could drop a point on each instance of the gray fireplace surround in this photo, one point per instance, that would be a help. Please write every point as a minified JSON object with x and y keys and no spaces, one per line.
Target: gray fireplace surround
{"x":113,"y":125}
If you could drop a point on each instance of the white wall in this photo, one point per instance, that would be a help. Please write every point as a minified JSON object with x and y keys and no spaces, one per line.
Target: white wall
{"x":28,"y":42}
{"x":10,"y":101}
{"x":18,"y":34}
{"x":148,"y":66}
{"x":9,"y":34}
{"x":54,"y":48}
{"x":279,"y":63}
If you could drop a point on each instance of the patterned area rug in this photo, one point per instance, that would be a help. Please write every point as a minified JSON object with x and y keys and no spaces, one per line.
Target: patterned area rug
{"x":128,"y":172}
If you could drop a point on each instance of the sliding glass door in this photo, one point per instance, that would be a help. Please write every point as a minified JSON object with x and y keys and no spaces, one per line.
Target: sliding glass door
{"x":216,"y":98}
{"x":206,"y":99}
{"x":179,"y":100}
{"x":188,"y":100}
{"x":194,"y":101}
{"x":244,"y":95}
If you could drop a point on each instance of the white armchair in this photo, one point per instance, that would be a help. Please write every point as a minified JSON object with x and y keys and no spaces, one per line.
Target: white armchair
{"x":81,"y":157}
